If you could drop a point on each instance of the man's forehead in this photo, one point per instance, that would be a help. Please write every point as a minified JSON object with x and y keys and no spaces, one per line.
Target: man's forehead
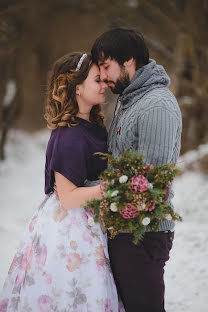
{"x":103,"y":61}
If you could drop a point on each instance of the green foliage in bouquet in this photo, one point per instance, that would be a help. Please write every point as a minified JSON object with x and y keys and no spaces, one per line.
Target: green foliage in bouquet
{"x":134,"y":196}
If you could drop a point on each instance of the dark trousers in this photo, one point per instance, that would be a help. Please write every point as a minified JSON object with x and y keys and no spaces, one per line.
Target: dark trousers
{"x":139,"y":270}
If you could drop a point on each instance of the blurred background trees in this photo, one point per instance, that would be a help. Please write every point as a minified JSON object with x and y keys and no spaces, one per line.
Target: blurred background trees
{"x":34,"y":33}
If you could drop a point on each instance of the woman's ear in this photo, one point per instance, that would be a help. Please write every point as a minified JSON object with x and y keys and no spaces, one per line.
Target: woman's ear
{"x":77,"y":90}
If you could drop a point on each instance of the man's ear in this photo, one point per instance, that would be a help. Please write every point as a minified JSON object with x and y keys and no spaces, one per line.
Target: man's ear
{"x":129,"y":62}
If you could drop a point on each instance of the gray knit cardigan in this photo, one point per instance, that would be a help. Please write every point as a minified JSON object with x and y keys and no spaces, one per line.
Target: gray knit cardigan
{"x":148,"y":120}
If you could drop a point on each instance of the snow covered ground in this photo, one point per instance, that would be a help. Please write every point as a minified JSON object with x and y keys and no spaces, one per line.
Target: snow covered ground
{"x":21,"y":190}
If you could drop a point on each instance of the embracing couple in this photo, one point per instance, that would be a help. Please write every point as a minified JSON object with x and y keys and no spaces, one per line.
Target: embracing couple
{"x":63,"y":264}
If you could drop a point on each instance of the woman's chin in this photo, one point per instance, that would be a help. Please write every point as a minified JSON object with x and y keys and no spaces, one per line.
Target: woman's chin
{"x":102,"y":101}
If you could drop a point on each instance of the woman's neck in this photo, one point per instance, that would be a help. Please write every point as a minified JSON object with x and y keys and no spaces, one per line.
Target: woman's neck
{"x":85,"y":116}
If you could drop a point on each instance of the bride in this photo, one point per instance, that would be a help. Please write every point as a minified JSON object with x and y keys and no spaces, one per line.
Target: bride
{"x":62,"y":263}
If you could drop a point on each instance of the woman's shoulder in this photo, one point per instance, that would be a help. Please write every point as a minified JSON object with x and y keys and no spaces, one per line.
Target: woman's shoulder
{"x":67,"y":137}
{"x":67,"y":132}
{"x":79,"y":134}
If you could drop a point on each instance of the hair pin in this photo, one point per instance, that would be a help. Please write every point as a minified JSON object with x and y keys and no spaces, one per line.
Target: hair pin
{"x":81,"y":61}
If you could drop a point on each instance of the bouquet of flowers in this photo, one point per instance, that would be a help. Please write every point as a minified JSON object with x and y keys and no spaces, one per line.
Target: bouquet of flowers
{"x":134,"y":196}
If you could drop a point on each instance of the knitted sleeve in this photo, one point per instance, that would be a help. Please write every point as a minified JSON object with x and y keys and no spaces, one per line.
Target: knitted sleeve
{"x":157,"y":131}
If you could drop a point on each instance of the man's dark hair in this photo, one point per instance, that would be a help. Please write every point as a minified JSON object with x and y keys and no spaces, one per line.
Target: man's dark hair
{"x":121,"y":44}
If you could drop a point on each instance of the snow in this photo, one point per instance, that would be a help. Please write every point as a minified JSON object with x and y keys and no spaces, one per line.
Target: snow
{"x":192,"y":156}
{"x":22,"y":189}
{"x":186,"y":271}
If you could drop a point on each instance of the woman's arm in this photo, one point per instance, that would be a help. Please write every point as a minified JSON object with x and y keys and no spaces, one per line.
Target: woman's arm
{"x":72,"y":196}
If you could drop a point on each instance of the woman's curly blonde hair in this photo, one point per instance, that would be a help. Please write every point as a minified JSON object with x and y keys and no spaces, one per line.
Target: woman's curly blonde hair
{"x":62,"y":108}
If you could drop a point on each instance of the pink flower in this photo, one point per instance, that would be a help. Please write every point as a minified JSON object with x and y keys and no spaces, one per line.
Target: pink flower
{"x":41,"y":255}
{"x":32,"y":223}
{"x":87,"y":237}
{"x":48,"y":278}
{"x":139,"y":183}
{"x":24,"y":265}
{"x":44,"y":303}
{"x":84,"y":215}
{"x":59,"y":213}
{"x":120,"y":170}
{"x":3,"y":305}
{"x":151,"y":207}
{"x":129,"y":212}
{"x":73,"y":244}
{"x":73,"y":261}
{"x":20,"y":278}
{"x":148,"y":166}
{"x":108,"y":307}
{"x":27,"y":258}
{"x":100,"y":258}
{"x":91,"y":212}
{"x":102,"y":187}
{"x":88,"y":212}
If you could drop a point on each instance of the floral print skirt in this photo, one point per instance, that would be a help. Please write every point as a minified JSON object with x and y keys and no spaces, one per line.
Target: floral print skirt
{"x":61,"y":265}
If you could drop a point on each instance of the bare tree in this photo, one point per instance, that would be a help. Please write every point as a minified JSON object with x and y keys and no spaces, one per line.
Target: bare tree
{"x":175,"y":31}
{"x":9,"y":34}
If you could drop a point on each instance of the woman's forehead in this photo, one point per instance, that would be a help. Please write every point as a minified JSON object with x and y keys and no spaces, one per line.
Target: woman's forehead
{"x":94,"y":70}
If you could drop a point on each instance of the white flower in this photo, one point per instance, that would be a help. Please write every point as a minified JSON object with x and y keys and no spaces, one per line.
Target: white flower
{"x":168,"y":217}
{"x":123,"y":179}
{"x":114,"y":193}
{"x":91,"y":221}
{"x":150,"y":186}
{"x":112,"y":182}
{"x":113,"y":207}
{"x":146,"y":221}
{"x":141,"y":206}
{"x":110,"y":228}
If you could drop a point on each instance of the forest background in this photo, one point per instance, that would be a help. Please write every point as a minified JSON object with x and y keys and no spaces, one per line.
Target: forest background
{"x":33,"y":34}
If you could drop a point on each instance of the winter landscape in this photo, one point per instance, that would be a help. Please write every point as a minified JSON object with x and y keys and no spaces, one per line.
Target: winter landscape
{"x":22,"y":185}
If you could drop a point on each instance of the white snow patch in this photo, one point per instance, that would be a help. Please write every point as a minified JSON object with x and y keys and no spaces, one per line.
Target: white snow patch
{"x":21,"y":189}
{"x":192,"y":156}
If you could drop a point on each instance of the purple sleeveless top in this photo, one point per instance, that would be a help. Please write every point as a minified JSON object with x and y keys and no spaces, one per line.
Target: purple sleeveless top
{"x":70,"y":152}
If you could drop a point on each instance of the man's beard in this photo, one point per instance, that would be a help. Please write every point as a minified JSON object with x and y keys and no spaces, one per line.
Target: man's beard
{"x":122,"y":82}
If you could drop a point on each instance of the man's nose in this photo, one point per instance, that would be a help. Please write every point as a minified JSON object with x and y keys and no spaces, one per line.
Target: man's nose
{"x":103,"y":75}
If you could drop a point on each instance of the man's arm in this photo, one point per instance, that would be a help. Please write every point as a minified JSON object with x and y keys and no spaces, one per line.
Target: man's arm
{"x":157,"y":131}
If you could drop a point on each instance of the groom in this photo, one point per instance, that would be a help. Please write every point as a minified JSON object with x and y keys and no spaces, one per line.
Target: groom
{"x":147,"y":119}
